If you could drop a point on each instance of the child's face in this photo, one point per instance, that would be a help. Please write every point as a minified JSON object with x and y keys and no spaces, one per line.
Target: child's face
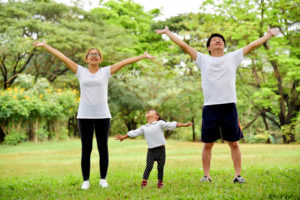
{"x":151,"y":114}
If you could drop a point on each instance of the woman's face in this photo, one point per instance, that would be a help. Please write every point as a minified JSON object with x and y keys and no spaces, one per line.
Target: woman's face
{"x":93,"y":57}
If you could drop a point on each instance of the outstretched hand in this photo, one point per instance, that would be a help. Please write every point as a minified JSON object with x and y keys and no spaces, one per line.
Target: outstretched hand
{"x":39,"y":44}
{"x":164,"y":31}
{"x":119,"y":137}
{"x":273,"y":31}
{"x":188,"y":124}
{"x":149,"y":56}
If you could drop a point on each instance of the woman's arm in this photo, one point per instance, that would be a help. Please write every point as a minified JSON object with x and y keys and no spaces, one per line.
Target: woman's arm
{"x":116,"y":67}
{"x":184,"y":125}
{"x":191,"y":51}
{"x":72,"y":65}
{"x":271,"y":33}
{"x":121,"y":137}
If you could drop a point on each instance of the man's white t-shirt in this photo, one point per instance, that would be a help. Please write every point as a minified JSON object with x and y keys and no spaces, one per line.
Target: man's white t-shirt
{"x":93,"y":93}
{"x":218,"y":75}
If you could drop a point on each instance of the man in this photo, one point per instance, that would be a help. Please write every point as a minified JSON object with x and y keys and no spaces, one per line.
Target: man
{"x":218,"y":74}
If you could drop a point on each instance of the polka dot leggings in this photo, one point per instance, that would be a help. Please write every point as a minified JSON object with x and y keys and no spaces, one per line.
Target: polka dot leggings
{"x":156,"y":154}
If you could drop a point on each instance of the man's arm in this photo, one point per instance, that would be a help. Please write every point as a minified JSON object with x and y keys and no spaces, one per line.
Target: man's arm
{"x":271,"y":33}
{"x":191,"y":51}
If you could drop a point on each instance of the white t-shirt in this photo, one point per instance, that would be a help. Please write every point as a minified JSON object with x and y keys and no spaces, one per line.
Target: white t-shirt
{"x":218,"y":76}
{"x":153,"y":132}
{"x":93,"y":93}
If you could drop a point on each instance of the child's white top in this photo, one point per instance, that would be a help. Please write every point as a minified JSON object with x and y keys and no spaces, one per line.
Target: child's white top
{"x":218,"y":75}
{"x":93,"y":93}
{"x":153,"y":132}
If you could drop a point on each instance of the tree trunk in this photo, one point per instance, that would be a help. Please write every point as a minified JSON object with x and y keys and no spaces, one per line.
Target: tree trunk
{"x":2,"y":135}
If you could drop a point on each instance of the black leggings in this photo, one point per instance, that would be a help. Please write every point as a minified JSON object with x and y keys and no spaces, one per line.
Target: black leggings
{"x":86,"y":129}
{"x":156,"y":154}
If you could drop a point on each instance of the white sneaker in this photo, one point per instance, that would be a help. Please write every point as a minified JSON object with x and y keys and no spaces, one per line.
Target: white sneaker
{"x":103,"y":183}
{"x":85,"y":185}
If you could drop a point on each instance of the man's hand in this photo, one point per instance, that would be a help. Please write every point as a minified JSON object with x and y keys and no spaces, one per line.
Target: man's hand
{"x":273,"y":31}
{"x":164,"y":31}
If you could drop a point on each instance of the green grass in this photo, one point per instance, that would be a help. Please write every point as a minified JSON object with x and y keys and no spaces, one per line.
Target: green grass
{"x":51,"y":170}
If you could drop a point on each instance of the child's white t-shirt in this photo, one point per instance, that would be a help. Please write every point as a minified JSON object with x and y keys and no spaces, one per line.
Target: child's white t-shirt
{"x":153,"y":132}
{"x":218,"y":76}
{"x":93,"y":93}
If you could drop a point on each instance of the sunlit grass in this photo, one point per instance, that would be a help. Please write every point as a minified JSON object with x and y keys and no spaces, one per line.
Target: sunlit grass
{"x":51,"y":170}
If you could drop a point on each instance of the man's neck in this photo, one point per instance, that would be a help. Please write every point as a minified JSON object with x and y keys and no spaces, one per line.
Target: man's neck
{"x":217,"y":53}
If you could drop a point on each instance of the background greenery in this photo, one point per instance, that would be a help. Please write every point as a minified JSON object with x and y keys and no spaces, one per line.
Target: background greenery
{"x":39,"y":95}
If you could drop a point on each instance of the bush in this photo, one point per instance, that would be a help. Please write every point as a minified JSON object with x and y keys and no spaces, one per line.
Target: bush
{"x":42,"y":134}
{"x":14,"y":138}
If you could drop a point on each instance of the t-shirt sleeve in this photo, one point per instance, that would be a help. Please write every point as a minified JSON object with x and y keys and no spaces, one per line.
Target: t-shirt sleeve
{"x":136,"y":132}
{"x":198,"y":59}
{"x":107,"y":71}
{"x":80,"y":71}
{"x":168,"y":125}
{"x":237,"y":56}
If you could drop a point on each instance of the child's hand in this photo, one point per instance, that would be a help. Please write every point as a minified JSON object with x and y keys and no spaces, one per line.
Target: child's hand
{"x":188,"y":124}
{"x":163,"y":31}
{"x":120,"y":137}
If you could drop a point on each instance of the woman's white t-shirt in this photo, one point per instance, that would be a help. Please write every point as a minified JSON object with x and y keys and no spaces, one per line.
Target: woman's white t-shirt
{"x":93,"y":93}
{"x":218,"y":75}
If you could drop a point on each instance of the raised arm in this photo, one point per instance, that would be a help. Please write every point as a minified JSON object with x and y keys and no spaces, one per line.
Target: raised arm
{"x":271,"y":33}
{"x":116,"y":67}
{"x":191,"y":51}
{"x":184,"y":125}
{"x":72,"y":65}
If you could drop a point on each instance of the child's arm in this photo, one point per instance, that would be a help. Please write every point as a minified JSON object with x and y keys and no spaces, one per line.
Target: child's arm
{"x":133,"y":133}
{"x":116,"y":67}
{"x":121,"y":137}
{"x":184,"y":125}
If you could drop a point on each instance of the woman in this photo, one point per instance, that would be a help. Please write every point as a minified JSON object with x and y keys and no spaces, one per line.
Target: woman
{"x":93,"y":111}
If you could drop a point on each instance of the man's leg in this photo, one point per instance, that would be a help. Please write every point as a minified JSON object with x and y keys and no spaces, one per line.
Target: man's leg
{"x":236,"y":157}
{"x":206,"y":157}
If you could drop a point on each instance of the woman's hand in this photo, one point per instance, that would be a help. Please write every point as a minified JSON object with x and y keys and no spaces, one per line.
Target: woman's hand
{"x":149,"y":56}
{"x":120,"y":137}
{"x":40,"y":44}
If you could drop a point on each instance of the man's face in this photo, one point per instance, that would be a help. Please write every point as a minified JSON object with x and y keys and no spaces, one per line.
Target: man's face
{"x":216,"y":43}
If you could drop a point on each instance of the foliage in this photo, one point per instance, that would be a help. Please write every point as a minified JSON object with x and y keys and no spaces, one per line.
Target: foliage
{"x":14,"y":138}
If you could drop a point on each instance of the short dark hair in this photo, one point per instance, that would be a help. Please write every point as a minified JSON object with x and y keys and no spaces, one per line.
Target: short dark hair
{"x":215,"y":35}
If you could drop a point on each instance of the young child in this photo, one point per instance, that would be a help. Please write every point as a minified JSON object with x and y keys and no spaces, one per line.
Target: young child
{"x":154,"y":135}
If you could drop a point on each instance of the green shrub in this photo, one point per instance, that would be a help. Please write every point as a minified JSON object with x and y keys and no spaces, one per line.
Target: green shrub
{"x":42,"y":134}
{"x":14,"y":138}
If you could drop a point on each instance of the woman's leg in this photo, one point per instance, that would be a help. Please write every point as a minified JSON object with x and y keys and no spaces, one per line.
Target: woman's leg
{"x":102,"y":132}
{"x":86,"y":134}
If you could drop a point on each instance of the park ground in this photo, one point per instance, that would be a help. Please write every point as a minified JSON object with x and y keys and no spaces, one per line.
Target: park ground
{"x":51,"y":170}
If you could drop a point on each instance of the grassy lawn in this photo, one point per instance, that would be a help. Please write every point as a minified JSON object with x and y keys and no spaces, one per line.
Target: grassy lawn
{"x":51,"y":170}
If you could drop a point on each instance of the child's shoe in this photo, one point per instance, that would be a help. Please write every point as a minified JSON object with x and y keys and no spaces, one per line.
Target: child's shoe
{"x":160,"y":184}
{"x":144,"y":183}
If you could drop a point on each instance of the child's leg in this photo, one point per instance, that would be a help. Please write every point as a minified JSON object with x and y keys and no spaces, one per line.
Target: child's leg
{"x":161,"y":159}
{"x":149,"y":164}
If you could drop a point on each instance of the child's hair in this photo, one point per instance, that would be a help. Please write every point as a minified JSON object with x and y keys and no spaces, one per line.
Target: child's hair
{"x":159,"y":117}
{"x":88,"y":51}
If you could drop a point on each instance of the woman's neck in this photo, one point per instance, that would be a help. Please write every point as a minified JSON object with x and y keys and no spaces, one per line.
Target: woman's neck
{"x":93,"y":68}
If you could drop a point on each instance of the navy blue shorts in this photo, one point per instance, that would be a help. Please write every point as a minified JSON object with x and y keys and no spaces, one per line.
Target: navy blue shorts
{"x":220,"y":121}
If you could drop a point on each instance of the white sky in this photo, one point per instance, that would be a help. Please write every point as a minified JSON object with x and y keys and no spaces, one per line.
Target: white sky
{"x":168,"y":8}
